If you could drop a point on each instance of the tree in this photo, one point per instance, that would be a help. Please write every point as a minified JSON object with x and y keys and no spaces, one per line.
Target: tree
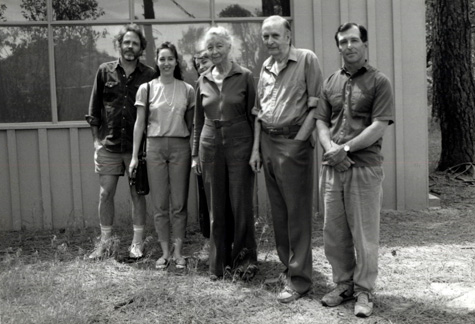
{"x":453,"y":84}
{"x":24,"y":65}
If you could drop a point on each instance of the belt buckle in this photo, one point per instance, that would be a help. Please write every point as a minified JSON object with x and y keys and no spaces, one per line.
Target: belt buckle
{"x":273,"y":131}
{"x":217,"y":123}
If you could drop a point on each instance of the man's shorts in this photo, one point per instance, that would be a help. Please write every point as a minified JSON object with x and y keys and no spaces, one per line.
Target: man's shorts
{"x":109,"y":163}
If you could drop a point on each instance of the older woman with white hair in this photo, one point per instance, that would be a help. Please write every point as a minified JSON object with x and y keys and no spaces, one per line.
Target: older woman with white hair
{"x":222,"y":146}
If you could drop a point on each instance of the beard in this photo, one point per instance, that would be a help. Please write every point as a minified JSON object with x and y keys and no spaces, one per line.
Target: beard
{"x":130,"y":55}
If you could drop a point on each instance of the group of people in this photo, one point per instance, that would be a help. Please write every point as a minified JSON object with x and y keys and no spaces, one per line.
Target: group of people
{"x":237,"y":129}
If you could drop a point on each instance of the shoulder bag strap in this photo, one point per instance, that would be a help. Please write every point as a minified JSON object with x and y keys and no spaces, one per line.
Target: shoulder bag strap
{"x":144,"y":140}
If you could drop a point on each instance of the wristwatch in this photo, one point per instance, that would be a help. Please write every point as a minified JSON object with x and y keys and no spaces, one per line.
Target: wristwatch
{"x":346,"y":148}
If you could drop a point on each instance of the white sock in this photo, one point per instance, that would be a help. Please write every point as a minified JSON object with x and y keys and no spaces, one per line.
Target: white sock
{"x":106,"y":232}
{"x":138,"y":234}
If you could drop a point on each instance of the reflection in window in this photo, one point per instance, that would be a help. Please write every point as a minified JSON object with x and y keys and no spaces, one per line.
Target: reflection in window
{"x":90,"y":9}
{"x":252,"y":8}
{"x":79,"y":50}
{"x":186,"y":38}
{"x":24,"y":71}
{"x":247,"y":48}
{"x":171,"y":9}
{"x":15,"y":10}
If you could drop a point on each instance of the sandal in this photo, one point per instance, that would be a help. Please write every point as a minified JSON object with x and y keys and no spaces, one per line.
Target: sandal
{"x":250,"y":272}
{"x":162,"y":263}
{"x":180,"y":263}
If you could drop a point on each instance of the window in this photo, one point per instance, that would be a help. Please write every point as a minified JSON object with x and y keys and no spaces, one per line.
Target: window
{"x":59,"y":44}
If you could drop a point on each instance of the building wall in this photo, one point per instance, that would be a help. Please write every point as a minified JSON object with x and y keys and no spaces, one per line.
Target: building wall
{"x":47,"y":171}
{"x":396,"y":46}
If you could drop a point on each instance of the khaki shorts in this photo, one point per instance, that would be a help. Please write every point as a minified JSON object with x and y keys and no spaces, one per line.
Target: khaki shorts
{"x":109,"y":163}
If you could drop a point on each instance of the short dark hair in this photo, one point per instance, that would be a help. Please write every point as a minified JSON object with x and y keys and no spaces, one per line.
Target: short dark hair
{"x":177,"y":72}
{"x":132,"y":28}
{"x":344,"y":27}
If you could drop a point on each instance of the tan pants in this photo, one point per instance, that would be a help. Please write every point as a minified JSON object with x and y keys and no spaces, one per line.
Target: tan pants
{"x":352,"y":202}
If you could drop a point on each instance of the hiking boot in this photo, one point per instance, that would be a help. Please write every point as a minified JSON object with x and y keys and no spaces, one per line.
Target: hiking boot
{"x":136,"y":250}
{"x":364,"y":304}
{"x":338,"y":295}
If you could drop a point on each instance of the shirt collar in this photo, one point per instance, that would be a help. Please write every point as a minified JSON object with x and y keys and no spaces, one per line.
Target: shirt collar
{"x":235,"y":69}
{"x":140,"y":66}
{"x":292,"y":57}
{"x":362,"y":70}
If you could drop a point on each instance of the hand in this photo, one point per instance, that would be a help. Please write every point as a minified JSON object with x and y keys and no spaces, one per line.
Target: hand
{"x":196,"y":165}
{"x":255,"y":161}
{"x":97,"y":143}
{"x":335,"y":155}
{"x":133,"y":165}
{"x":344,"y":165}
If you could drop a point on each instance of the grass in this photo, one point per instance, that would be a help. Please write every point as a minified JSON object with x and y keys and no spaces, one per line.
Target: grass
{"x":427,"y":270}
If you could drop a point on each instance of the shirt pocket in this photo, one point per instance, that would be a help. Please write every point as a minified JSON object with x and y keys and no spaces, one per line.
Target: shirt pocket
{"x":361,"y":103}
{"x":111,"y":90}
{"x":335,"y":98}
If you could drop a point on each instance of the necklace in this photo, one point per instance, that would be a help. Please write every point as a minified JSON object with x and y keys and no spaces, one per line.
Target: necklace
{"x":170,"y":103}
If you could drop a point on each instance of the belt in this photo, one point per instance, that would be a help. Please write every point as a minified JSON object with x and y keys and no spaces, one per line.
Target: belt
{"x":224,"y":123}
{"x":286,"y":130}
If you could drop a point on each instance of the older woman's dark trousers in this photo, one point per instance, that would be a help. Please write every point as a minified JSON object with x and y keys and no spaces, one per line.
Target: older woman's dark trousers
{"x":228,"y":179}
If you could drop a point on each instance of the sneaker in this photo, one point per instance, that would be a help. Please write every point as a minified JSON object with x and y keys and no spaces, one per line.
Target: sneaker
{"x":364,"y":304}
{"x":136,"y":250}
{"x":288,"y":295}
{"x":98,"y":252}
{"x":340,"y":294}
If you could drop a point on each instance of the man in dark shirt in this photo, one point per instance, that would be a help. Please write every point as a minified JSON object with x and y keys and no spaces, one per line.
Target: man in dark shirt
{"x":356,"y":107}
{"x":112,"y":116}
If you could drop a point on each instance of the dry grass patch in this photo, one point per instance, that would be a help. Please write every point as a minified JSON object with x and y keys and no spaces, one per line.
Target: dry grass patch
{"x":427,"y":275}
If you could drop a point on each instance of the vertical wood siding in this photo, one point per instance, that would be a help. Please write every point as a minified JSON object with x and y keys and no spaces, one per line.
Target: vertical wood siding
{"x":47,"y":173}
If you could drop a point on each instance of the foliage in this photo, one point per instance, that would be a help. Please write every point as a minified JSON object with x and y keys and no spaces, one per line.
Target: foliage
{"x":3,"y":7}
{"x":25,"y":62}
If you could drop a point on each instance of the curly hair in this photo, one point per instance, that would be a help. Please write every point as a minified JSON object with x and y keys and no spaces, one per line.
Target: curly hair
{"x":132,"y":28}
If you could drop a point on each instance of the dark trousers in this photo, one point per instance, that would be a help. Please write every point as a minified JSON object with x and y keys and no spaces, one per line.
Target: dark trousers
{"x":203,"y":213}
{"x":288,"y":173}
{"x":228,"y":180}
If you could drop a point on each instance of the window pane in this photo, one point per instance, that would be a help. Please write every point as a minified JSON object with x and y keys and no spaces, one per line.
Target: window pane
{"x":90,"y":9}
{"x":177,"y":9}
{"x":79,"y":50}
{"x":248,"y":49}
{"x":186,"y":39}
{"x":14,"y":10}
{"x":252,"y":8}
{"x":24,"y":75}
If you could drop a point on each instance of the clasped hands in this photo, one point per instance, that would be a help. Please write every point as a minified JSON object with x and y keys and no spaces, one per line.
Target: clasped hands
{"x":337,"y":158}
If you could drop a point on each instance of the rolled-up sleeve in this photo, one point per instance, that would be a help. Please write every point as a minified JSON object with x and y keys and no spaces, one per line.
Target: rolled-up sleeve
{"x":313,"y":76}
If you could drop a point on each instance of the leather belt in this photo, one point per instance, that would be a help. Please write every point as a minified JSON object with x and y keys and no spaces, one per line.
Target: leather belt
{"x":224,"y":123}
{"x":286,"y":130}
